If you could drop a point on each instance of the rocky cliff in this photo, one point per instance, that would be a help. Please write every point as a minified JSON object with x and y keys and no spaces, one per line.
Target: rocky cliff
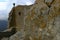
{"x":42,"y":22}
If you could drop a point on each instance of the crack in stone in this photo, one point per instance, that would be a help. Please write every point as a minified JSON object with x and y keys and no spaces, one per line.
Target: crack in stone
{"x":49,"y":2}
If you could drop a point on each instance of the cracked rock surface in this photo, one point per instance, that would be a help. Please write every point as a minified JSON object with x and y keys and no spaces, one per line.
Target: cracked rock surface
{"x":42,"y":22}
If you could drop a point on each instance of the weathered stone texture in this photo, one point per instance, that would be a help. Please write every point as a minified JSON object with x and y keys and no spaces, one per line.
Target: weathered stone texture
{"x":42,"y":21}
{"x":5,"y":39}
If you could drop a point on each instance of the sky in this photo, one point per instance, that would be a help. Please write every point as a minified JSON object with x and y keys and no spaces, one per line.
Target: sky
{"x":6,"y":6}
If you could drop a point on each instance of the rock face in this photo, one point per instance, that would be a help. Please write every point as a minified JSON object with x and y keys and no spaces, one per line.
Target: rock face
{"x":40,"y":21}
{"x":5,"y":39}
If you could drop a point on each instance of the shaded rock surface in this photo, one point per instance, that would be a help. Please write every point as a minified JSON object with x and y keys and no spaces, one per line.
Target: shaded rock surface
{"x":42,"y":22}
{"x":5,"y":39}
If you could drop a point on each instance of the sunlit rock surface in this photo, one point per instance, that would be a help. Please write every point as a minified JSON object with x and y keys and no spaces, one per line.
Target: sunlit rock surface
{"x":42,"y":22}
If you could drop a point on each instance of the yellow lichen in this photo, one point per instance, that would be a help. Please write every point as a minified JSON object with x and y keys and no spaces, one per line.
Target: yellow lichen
{"x":43,"y":24}
{"x":39,"y":38}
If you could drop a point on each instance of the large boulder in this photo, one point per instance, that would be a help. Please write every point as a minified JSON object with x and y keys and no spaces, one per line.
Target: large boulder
{"x":42,"y":22}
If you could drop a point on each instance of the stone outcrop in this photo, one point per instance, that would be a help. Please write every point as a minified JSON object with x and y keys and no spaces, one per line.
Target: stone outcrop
{"x":40,"y":21}
{"x":7,"y":34}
